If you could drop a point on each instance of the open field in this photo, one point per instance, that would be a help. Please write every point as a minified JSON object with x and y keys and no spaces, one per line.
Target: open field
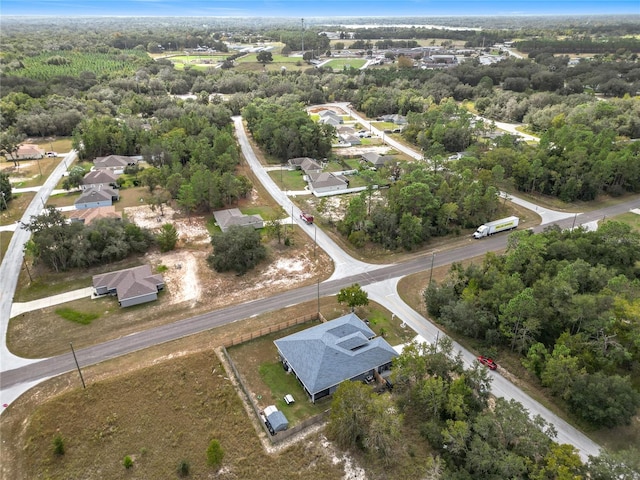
{"x":5,"y":238}
{"x":340,"y":63}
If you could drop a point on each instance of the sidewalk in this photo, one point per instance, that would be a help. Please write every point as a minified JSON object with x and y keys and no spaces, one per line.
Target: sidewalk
{"x":19,"y":308}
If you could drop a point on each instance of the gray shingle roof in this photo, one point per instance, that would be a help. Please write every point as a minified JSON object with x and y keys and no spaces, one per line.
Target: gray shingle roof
{"x":97,"y":195}
{"x":233,"y":216}
{"x":99,"y":176}
{"x":329,"y":353}
{"x":326,"y":179}
{"x":278,"y":421}
{"x":112,"y":161}
{"x":131,"y":282}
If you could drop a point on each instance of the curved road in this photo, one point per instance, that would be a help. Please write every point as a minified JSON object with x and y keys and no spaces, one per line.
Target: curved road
{"x":379,"y":280}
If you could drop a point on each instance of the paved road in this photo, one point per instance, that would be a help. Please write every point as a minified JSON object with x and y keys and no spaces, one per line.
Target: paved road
{"x":12,"y":261}
{"x":380,"y":280}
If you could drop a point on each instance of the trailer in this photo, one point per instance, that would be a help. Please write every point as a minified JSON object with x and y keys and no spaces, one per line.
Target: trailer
{"x":308,"y":219}
{"x":496,"y":226}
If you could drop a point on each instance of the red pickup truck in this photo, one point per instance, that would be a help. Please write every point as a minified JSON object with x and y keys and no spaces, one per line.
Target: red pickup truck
{"x":307,"y":218}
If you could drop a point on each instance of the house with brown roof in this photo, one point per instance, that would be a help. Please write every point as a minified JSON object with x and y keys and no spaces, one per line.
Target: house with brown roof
{"x":29,"y":151}
{"x":89,"y":215}
{"x":233,"y":216}
{"x":97,"y":197}
{"x":99,"y":179}
{"x":132,"y":286}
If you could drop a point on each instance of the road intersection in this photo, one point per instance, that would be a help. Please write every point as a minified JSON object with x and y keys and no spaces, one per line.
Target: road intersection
{"x":18,"y":375}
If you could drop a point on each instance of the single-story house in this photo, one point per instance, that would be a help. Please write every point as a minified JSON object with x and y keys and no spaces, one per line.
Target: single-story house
{"x":278,"y":421}
{"x":99,"y":178}
{"x":345,"y":130}
{"x":328,"y":113}
{"x":306,"y":164}
{"x":133,"y":286}
{"x":88,"y":215}
{"x":350,"y":139}
{"x":333,"y":121}
{"x":233,"y":216}
{"x":29,"y":151}
{"x":375,"y":159}
{"x":115,"y":162}
{"x":327,"y":182}
{"x":395,"y":118}
{"x":97,"y":197}
{"x":324,"y":356}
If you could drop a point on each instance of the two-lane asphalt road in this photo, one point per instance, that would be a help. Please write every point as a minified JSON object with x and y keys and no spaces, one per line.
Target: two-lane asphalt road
{"x":380,"y":280}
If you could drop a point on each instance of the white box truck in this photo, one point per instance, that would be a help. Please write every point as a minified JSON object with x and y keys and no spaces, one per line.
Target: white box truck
{"x":496,"y":226}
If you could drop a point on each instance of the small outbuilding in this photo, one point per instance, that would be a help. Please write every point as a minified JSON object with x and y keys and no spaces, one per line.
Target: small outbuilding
{"x":278,"y":421}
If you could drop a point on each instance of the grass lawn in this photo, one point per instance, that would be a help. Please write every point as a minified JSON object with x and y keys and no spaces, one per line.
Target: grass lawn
{"x":288,"y":179}
{"x":16,"y":209}
{"x":384,"y":125}
{"x":132,"y":197}
{"x":64,"y":199}
{"x":340,"y":63}
{"x":629,"y":218}
{"x":5,"y":238}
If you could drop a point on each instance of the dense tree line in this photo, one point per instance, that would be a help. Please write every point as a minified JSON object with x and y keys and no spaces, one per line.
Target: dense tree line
{"x":421,"y":204}
{"x":287,"y":131}
{"x":448,"y":405}
{"x":567,"y":301}
{"x":579,"y":45}
{"x":60,"y":245}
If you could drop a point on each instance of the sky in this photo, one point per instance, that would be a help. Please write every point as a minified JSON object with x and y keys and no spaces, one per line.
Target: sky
{"x":317,"y":8}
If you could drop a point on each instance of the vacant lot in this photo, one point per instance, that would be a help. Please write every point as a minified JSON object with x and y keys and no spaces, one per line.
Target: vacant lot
{"x":172,"y":411}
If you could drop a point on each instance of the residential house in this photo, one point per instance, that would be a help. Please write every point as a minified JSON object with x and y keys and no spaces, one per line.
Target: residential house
{"x":99,"y":179}
{"x":375,"y":159}
{"x":88,"y":215}
{"x":233,"y":216}
{"x":115,"y":162}
{"x":330,"y":117}
{"x":345,"y":130}
{"x":349,"y":139}
{"x":327,"y":182}
{"x":395,"y":118}
{"x":306,"y":164}
{"x":324,"y":356}
{"x":29,"y":151}
{"x":132,"y":286}
{"x":334,"y":122}
{"x":97,"y":197}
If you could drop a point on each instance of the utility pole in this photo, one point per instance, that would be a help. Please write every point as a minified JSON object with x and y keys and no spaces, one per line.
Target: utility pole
{"x":302,"y":36}
{"x":433,"y":256}
{"x":77,"y":365}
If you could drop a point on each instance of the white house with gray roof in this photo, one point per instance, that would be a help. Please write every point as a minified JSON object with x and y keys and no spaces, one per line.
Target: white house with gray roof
{"x":324,"y":356}
{"x":233,"y":216}
{"x":327,"y":182}
{"x":133,"y":286}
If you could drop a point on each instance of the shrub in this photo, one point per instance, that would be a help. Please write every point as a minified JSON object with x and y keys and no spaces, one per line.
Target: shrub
{"x":76,"y":316}
{"x":214,"y":453}
{"x":127,"y":462}
{"x":58,"y":445}
{"x":183,"y":468}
